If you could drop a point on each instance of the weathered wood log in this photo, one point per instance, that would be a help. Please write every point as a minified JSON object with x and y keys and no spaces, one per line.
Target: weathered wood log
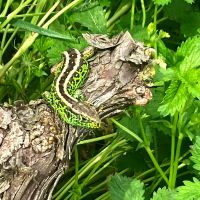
{"x":36,"y":145}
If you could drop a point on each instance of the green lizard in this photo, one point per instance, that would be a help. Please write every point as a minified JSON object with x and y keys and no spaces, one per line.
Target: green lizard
{"x":63,"y":96}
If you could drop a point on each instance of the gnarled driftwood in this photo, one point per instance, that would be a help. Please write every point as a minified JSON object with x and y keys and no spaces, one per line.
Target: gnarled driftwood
{"x":35,"y":145}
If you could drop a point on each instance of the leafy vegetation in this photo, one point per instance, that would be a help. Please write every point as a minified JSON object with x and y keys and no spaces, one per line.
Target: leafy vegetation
{"x":149,"y":156}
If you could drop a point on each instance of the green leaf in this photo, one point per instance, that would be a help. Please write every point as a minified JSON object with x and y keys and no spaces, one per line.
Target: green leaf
{"x":189,"y":1}
{"x":188,"y":46}
{"x":152,"y":107}
{"x":129,"y":122}
{"x":185,"y":77}
{"x":195,"y":154}
{"x":175,"y":98}
{"x":93,"y":19}
{"x":181,"y":6}
{"x":163,"y":75}
{"x":190,"y":191}
{"x":163,"y":194}
{"x":167,"y":53}
{"x":162,"y":2}
{"x":192,"y":82}
{"x":55,"y":52}
{"x":42,"y":44}
{"x":189,"y":23}
{"x":124,"y":188}
{"x":188,"y":54}
{"x":39,"y":72}
{"x":191,"y":61}
{"x":42,"y":31}
{"x":139,"y":33}
{"x":105,"y":3}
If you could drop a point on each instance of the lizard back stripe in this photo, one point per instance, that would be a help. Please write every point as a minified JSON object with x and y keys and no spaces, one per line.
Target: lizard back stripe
{"x":67,"y":71}
{"x":63,"y":96}
{"x":72,"y":64}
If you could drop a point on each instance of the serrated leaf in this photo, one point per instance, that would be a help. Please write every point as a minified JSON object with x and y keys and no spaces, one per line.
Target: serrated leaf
{"x":191,"y":59}
{"x":163,"y":75}
{"x":188,"y":46}
{"x":175,"y":98}
{"x":188,"y":54}
{"x":162,"y":2}
{"x":124,"y":188}
{"x":93,"y":19}
{"x":189,"y":191}
{"x":164,"y":194}
{"x":192,"y":82}
{"x":195,"y":154}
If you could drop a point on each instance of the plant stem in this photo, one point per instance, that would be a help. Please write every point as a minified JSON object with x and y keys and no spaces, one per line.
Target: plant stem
{"x":93,"y":174}
{"x":155,"y":17}
{"x":14,"y":13}
{"x":29,"y":41}
{"x":97,"y":139}
{"x":143,"y":13}
{"x":8,"y":2}
{"x":173,"y":137}
{"x":76,"y":194}
{"x":58,"y":14}
{"x":3,"y":41}
{"x":157,"y":166}
{"x":16,"y":29}
{"x":146,"y":146}
{"x":0,"y":4}
{"x":178,"y":150}
{"x":155,"y":24}
{"x":134,"y":135}
{"x":99,"y":158}
{"x":94,"y":189}
{"x":142,"y":130}
{"x":118,"y":14}
{"x":38,"y":9}
{"x":132,"y":14}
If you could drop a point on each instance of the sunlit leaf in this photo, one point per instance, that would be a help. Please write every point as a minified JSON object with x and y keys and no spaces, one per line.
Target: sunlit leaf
{"x":125,"y":188}
{"x":175,"y":98}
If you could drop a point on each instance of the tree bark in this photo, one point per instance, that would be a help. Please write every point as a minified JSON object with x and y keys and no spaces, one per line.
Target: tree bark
{"x":36,"y":145}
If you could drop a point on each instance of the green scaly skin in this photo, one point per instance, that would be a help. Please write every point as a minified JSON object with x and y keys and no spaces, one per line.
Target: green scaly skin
{"x":77,"y":81}
{"x":73,"y":89}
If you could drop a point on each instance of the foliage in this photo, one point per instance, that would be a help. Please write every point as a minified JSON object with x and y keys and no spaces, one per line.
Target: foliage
{"x":190,"y":190}
{"x":195,"y":154}
{"x":125,"y":188}
{"x":149,"y":151}
{"x":185,"y":82}
{"x":164,"y":194}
